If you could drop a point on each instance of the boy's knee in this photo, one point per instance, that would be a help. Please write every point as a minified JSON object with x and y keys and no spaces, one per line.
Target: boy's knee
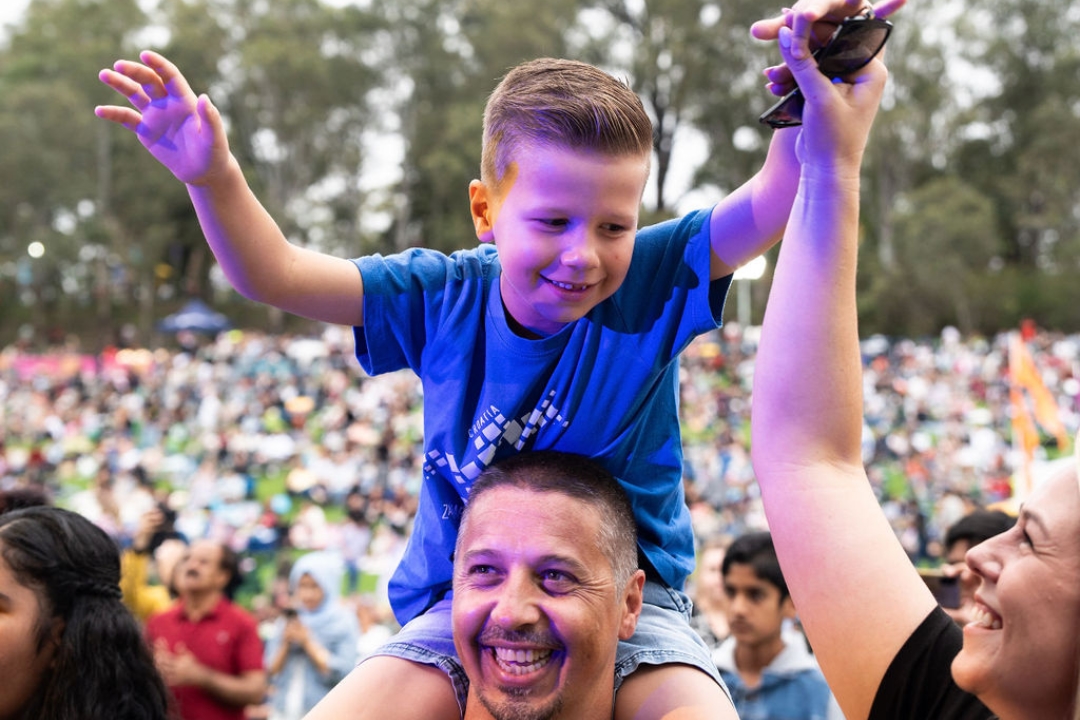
{"x":672,"y":692}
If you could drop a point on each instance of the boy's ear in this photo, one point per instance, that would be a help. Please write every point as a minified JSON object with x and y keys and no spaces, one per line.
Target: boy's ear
{"x":481,"y":206}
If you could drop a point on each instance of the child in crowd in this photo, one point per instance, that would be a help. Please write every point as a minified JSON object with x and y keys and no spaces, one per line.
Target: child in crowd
{"x":561,"y":331}
{"x":766,"y":663}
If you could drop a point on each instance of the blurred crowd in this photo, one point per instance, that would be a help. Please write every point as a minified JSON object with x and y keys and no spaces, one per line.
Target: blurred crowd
{"x":276,"y":446}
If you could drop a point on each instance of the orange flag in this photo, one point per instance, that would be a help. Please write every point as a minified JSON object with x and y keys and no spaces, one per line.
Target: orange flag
{"x":1025,"y":438}
{"x":1025,"y":377}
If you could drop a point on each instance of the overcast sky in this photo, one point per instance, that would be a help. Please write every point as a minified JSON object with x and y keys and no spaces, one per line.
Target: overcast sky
{"x":11,"y":10}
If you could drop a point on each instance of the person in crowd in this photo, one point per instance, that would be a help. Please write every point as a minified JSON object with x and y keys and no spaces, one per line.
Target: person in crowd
{"x":206,"y":647}
{"x":69,"y":649}
{"x":570,"y":289}
{"x":147,"y":566}
{"x":314,"y":643}
{"x":885,"y":646}
{"x":766,"y":662}
{"x":375,"y":627}
{"x":710,"y":618}
{"x":17,"y":498}
{"x":546,"y":584}
{"x":977,"y":526}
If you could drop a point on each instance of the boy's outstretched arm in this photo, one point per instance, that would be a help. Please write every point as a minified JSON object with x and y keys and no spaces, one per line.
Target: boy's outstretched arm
{"x":186,"y":135}
{"x":858,"y":595}
{"x":751,"y":220}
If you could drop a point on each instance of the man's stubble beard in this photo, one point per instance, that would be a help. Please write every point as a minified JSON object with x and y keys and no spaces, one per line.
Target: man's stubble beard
{"x":521,"y":709}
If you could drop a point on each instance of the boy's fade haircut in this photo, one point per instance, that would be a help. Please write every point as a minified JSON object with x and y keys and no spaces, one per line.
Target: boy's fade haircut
{"x":756,"y":550}
{"x":579,"y":479}
{"x":561,"y":103}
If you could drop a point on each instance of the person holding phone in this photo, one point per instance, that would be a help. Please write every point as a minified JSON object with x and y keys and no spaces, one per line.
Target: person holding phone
{"x":885,"y":646}
{"x":315,"y":641}
{"x":976,"y":527}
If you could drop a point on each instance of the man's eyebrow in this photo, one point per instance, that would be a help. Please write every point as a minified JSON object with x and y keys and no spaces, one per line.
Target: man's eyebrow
{"x":569,"y":562}
{"x":548,"y":559}
{"x":473,"y":554}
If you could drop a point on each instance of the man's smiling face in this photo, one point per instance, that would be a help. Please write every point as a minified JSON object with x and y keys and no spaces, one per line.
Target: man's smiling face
{"x":537,"y":613}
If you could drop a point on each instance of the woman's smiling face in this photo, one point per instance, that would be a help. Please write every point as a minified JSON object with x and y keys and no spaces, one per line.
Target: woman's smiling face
{"x":1021,"y":654}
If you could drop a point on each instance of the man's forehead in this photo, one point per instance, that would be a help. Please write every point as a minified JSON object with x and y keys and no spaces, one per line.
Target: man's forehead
{"x":511,"y":517}
{"x":204,"y":548}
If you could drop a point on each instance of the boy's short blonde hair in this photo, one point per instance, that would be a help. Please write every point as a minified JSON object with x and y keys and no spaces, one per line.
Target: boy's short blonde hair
{"x":561,"y":103}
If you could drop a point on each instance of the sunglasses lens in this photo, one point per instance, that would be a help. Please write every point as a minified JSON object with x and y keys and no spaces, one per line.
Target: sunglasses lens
{"x":850,"y":51}
{"x":785,"y":113}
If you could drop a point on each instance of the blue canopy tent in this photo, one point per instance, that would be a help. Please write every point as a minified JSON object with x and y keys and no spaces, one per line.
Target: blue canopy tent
{"x":196,"y":316}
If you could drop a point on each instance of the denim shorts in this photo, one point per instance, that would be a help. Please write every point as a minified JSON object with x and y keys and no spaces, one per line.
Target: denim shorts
{"x":663,"y":636}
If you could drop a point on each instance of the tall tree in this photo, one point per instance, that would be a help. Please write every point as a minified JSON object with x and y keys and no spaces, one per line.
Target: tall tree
{"x":51,"y":145}
{"x":1023,"y":149}
{"x":450,"y":54}
{"x":695,"y":66}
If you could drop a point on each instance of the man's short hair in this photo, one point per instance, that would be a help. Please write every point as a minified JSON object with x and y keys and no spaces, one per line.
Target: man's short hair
{"x":977,"y":526}
{"x":579,"y":479}
{"x":756,"y":550}
{"x":561,"y":103}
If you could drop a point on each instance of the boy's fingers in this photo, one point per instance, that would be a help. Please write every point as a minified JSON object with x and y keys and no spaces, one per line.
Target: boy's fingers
{"x":119,"y":115}
{"x":208,"y":112}
{"x":888,"y":7}
{"x":174,"y":82}
{"x":133,"y":91}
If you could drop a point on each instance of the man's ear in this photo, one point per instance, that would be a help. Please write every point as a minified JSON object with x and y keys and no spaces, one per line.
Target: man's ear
{"x":481,"y":206}
{"x":633,"y":598}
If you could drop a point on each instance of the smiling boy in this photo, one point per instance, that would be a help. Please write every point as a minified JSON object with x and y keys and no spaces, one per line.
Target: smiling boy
{"x":562,"y":331}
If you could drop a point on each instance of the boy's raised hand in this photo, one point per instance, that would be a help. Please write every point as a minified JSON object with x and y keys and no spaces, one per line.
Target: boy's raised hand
{"x":816,"y":18}
{"x":838,"y":114}
{"x":183,"y":131}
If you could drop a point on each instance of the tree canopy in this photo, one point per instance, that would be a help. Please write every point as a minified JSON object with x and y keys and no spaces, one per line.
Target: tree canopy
{"x":359,"y":128}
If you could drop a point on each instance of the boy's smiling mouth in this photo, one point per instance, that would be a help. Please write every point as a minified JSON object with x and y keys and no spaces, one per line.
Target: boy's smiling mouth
{"x":568,"y":286}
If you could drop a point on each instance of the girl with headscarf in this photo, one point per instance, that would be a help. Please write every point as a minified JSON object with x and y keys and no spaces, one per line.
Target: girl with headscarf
{"x":313,"y":645}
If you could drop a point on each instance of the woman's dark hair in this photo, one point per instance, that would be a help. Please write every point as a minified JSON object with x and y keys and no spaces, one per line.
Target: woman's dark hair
{"x":102,"y":668}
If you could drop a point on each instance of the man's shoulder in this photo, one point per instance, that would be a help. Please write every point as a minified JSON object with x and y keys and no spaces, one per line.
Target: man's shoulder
{"x":230,"y":611}
{"x":163,"y":619}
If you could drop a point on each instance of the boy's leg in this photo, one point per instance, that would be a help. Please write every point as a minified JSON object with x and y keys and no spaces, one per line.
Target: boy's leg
{"x":672,"y":692}
{"x":414,"y":676}
{"x":665,"y":670}
{"x":374,"y":691}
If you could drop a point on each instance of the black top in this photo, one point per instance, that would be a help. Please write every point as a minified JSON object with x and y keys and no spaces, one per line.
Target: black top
{"x":918,"y":684}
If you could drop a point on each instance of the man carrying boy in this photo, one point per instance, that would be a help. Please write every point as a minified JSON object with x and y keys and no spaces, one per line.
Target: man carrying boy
{"x":561,"y":331}
{"x":767,"y":666}
{"x":546,"y":583}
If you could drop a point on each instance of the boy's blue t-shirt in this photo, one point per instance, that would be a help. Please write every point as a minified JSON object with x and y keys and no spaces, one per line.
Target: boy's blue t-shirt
{"x":605,"y":386}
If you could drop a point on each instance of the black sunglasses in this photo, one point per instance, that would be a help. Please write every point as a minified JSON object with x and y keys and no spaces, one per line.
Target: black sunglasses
{"x":852,"y":46}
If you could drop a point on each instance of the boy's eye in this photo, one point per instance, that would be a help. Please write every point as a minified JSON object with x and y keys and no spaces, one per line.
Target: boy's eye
{"x":614,"y":228}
